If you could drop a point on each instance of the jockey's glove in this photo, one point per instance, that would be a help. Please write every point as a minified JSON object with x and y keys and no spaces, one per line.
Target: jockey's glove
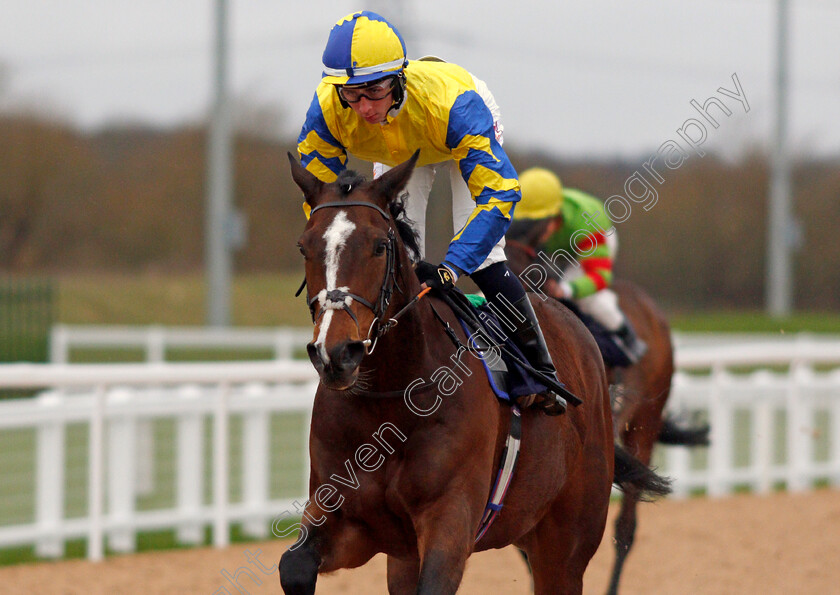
{"x":439,"y":277}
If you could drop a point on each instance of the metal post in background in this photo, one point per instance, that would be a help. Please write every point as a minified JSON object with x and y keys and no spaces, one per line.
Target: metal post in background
{"x":218,"y":257}
{"x":782,"y":227}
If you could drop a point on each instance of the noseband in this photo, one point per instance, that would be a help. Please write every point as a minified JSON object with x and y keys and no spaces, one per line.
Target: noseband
{"x":340,"y":299}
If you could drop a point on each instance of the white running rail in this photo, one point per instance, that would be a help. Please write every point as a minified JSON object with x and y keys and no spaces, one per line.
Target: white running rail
{"x":110,"y":399}
{"x":156,"y":340}
{"x":774,"y":409}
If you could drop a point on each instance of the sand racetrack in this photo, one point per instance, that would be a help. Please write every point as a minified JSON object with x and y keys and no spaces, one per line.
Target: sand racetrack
{"x":740,"y":545}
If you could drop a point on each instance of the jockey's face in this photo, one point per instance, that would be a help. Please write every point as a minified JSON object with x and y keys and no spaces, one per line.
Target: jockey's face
{"x":371,"y":102}
{"x":553,"y":226}
{"x":373,"y":111}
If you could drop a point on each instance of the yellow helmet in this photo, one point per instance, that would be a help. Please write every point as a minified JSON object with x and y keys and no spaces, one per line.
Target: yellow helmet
{"x":542,"y":194}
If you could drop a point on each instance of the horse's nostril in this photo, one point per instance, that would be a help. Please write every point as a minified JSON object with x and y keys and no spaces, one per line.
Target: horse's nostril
{"x":354,"y":352}
{"x":314,"y":356}
{"x":342,"y":358}
{"x":347,"y":356}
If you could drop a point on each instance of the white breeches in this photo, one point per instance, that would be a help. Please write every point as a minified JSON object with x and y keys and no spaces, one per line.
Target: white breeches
{"x":420,"y":185}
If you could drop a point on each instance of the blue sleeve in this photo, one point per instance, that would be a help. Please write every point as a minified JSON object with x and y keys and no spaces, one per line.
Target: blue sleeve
{"x":319,"y":150}
{"x":483,"y":163}
{"x":490,"y":177}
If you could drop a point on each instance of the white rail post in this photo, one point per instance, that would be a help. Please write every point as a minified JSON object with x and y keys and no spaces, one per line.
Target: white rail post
{"x":122,"y":462}
{"x":96,"y":549}
{"x":221,"y":469}
{"x":255,"y":455}
{"x":156,"y":344}
{"x":763,"y":435}
{"x":834,"y":428}
{"x":677,"y":459}
{"x":797,"y":408}
{"x":155,"y":353}
{"x":806,"y":385}
{"x":679,"y":469}
{"x":283,"y":344}
{"x":49,"y":479}
{"x":190,"y":469}
{"x":59,"y":347}
{"x":720,"y":416}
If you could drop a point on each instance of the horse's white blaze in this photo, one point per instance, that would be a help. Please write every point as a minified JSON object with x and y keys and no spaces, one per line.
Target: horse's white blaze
{"x":322,"y":336}
{"x":336,"y":238}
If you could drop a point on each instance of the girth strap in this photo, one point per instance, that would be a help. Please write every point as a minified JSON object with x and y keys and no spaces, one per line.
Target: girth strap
{"x":510,"y":456}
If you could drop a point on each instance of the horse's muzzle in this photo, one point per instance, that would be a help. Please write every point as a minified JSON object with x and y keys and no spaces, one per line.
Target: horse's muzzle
{"x":339,"y":367}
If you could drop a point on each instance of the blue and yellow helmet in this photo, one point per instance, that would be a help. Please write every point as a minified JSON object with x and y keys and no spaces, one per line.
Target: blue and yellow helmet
{"x":363,"y":47}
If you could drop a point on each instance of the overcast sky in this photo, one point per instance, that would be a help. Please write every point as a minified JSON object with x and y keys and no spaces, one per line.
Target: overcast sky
{"x":576,"y":78}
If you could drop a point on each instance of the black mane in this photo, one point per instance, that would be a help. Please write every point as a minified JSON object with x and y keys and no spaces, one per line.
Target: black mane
{"x":405,"y":227}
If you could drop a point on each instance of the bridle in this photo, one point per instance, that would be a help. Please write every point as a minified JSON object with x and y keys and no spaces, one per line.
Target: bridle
{"x":341,"y":298}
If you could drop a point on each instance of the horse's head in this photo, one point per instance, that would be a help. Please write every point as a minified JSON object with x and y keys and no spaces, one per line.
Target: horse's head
{"x":350,"y":248}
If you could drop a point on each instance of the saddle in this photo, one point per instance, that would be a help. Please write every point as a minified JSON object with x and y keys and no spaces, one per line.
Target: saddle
{"x":509,"y":373}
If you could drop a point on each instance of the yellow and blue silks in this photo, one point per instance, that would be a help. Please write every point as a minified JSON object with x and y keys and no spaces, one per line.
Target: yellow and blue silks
{"x":445,"y":117}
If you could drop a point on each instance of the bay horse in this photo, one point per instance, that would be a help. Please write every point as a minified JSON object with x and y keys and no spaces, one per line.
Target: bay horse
{"x":407,"y":435}
{"x":639,"y":395}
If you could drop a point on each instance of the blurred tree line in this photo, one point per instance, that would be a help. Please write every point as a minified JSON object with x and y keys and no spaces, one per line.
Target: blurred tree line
{"x":132,"y":199}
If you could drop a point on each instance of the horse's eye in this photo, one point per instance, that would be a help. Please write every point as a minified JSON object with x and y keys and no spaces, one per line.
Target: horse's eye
{"x":380,"y":248}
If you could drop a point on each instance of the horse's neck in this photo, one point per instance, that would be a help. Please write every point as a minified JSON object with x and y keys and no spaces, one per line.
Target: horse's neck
{"x":416,"y":346}
{"x":405,"y":352}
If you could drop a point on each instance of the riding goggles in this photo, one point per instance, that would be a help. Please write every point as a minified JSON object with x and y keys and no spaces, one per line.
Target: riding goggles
{"x":372,"y":92}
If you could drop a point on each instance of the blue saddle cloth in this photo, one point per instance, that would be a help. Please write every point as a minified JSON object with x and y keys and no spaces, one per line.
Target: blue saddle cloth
{"x":508,"y":379}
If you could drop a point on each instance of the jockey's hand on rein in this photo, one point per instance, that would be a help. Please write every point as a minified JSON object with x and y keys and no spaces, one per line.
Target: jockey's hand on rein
{"x":437,"y":277}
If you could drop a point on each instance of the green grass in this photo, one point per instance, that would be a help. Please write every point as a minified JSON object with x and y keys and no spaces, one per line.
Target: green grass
{"x":89,"y":355}
{"x":756,"y":322}
{"x":268,"y":300}
{"x":256,"y":300}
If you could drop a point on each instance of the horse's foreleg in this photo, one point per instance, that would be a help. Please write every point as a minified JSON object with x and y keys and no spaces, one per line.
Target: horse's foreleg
{"x":299,"y":568}
{"x":445,"y":541}
{"x":441,"y":572}
{"x":402,"y":576}
{"x":550,"y":551}
{"x":332,"y":544}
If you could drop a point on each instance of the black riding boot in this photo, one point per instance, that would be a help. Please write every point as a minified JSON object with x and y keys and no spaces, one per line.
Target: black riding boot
{"x":529,"y":338}
{"x":502,"y":289}
{"x":629,"y":342}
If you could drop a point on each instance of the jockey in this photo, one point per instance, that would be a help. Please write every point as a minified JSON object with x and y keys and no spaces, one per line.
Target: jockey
{"x":381,"y":107}
{"x":549,"y":218}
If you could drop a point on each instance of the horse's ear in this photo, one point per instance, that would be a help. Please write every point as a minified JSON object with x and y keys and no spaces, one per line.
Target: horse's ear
{"x":394,"y":180}
{"x":306,"y":181}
